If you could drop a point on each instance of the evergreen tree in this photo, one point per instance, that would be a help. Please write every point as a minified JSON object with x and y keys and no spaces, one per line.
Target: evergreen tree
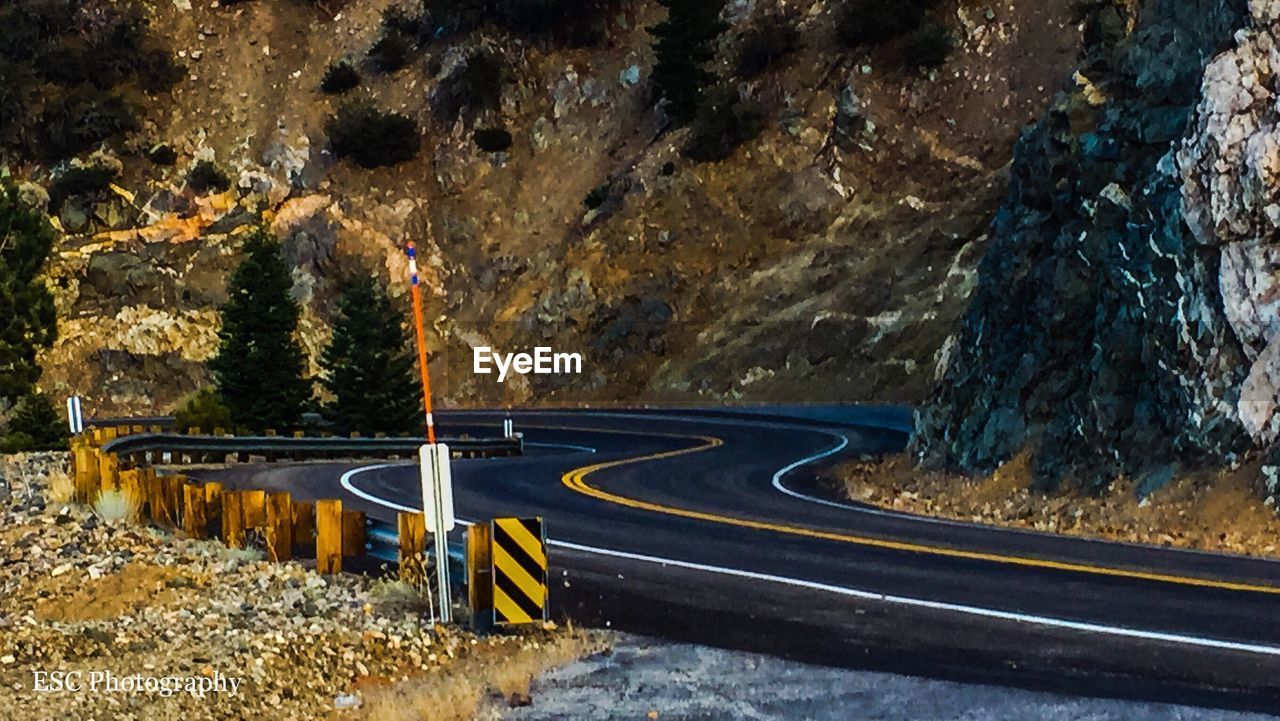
{"x":684,"y":45}
{"x":35,"y":426}
{"x":368,"y":367}
{"x":27,"y":318}
{"x":203,"y":410}
{"x":259,"y":366}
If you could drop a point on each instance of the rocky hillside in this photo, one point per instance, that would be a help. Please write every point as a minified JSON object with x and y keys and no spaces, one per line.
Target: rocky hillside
{"x":1125,"y":318}
{"x":827,"y":258}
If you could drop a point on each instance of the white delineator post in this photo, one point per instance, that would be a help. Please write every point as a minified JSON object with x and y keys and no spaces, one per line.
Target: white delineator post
{"x":437,"y":505}
{"x":75,"y":415}
{"x":437,"y":484}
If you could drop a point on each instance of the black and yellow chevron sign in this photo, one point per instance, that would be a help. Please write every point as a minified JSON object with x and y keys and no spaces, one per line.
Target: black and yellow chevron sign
{"x":519,"y":571}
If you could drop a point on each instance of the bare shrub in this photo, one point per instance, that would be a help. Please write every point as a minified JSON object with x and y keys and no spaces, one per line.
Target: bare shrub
{"x":60,"y":487}
{"x":117,"y":507}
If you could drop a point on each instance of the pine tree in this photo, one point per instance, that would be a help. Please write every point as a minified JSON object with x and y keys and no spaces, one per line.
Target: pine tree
{"x":35,"y":426}
{"x":205,"y":411}
{"x":368,"y":367}
{"x":259,"y":367}
{"x":28,"y":321}
{"x":684,"y":45}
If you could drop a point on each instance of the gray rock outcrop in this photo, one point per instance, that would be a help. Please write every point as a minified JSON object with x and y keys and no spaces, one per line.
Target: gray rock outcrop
{"x":1125,"y":319}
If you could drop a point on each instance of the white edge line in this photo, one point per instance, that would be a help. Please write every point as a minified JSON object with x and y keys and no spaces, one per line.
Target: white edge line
{"x":858,"y":593}
{"x":937,"y":605}
{"x":868,"y":510}
{"x":570,"y":446}
{"x":773,"y":422}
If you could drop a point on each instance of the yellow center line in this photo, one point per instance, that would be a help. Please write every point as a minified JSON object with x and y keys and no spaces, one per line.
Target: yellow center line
{"x":575,"y":480}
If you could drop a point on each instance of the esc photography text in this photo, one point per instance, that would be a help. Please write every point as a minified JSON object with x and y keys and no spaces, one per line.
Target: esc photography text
{"x":107,"y":682}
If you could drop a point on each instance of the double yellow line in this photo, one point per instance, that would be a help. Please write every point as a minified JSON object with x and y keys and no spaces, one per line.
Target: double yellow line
{"x":575,"y":480}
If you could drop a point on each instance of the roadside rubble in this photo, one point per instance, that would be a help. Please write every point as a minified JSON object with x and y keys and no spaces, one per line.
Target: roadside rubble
{"x":1218,"y":511}
{"x":78,"y":594}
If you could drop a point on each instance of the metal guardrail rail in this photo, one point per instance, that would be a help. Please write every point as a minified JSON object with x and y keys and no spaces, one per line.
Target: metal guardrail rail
{"x":382,"y":541}
{"x":166,"y":423}
{"x":145,"y":447}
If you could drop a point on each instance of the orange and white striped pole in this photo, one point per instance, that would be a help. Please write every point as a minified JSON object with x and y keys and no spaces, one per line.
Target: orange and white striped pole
{"x":422,"y":343}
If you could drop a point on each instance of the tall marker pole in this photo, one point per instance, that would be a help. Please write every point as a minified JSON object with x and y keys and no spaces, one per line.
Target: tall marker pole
{"x":437,"y":481}
{"x":422,"y":343}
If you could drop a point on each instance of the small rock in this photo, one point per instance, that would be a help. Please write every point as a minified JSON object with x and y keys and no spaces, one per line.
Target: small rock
{"x":346,"y":701}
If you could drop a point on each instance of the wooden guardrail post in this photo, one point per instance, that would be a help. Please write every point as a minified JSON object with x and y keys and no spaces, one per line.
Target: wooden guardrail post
{"x":253,"y":505}
{"x":279,"y":526}
{"x":153,"y":496}
{"x":232,"y":519}
{"x":145,"y":474}
{"x":86,"y":469}
{"x":412,"y":529}
{"x":108,"y":471}
{"x":162,"y":511}
{"x":131,"y":485}
{"x":172,"y":487}
{"x":213,"y":509}
{"x":329,"y":536}
{"x":195,"y":519}
{"x":354,"y":533}
{"x":480,"y":574}
{"x":304,"y":529}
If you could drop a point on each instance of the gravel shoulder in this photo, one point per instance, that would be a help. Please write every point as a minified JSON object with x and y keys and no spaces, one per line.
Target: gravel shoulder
{"x":114,"y":620}
{"x":643,"y":678}
{"x":1223,"y":511}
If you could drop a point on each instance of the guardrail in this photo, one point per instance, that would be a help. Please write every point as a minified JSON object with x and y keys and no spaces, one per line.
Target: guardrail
{"x":121,"y":457}
{"x":161,"y":423}
{"x":174,"y":449}
{"x":383,"y":543}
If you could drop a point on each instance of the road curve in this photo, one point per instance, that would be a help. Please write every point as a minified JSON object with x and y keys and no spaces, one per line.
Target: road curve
{"x":708,"y":527}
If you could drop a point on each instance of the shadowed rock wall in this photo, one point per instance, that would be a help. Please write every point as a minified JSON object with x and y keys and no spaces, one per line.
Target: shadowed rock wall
{"x":1125,"y":312}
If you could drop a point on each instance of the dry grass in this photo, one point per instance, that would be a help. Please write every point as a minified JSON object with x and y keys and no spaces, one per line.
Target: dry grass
{"x":130,"y":590}
{"x":478,"y":686}
{"x":117,"y":507}
{"x":392,"y":596}
{"x":1212,"y":510}
{"x":60,"y":487}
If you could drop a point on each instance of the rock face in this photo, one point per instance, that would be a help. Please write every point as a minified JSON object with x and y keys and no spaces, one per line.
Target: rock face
{"x":826,"y":259}
{"x":1125,"y":318}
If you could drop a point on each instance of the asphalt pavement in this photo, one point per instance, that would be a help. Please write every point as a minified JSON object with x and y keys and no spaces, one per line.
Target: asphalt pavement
{"x":710,"y":527}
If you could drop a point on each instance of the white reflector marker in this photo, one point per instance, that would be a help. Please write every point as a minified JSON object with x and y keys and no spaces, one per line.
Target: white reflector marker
{"x":75,"y":415}
{"x":437,"y":487}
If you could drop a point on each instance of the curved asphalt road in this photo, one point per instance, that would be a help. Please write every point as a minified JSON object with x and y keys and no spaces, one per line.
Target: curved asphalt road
{"x":708,"y":527}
